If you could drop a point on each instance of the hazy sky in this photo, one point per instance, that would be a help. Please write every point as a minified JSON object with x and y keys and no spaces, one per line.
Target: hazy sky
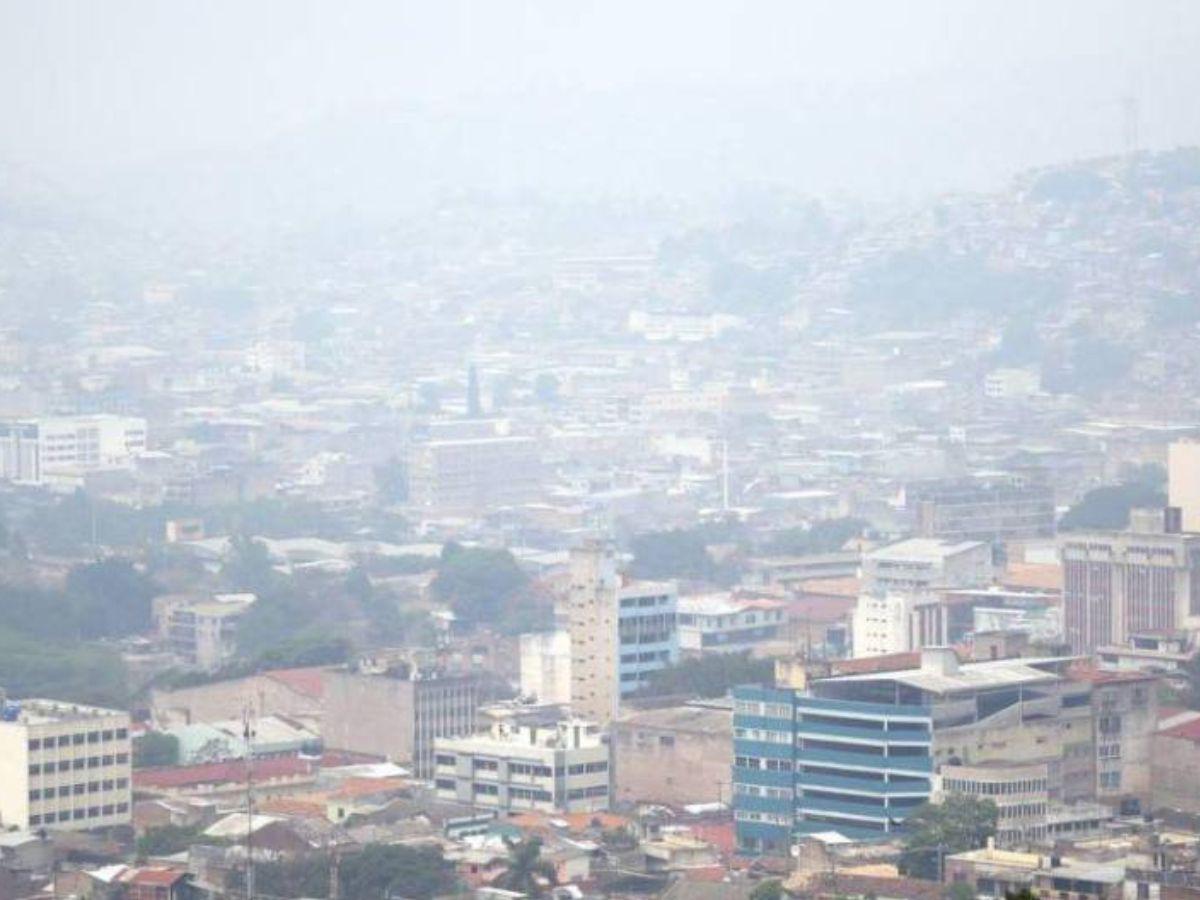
{"x":938,"y":94}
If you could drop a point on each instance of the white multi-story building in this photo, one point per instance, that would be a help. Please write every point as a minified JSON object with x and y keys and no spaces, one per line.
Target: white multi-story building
{"x":722,"y":623}
{"x":920,"y":565}
{"x":40,"y":450}
{"x":559,"y":768}
{"x":205,"y":634}
{"x":474,"y":473}
{"x":546,"y":666}
{"x":1183,"y":475}
{"x":63,"y":766}
{"x":897,"y":623}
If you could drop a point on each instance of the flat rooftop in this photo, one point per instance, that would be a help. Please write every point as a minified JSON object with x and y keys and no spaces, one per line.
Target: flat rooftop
{"x":968,"y":677}
{"x":48,"y":712}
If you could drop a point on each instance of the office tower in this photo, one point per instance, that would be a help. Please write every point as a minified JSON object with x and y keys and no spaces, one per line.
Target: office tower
{"x":1116,"y":584}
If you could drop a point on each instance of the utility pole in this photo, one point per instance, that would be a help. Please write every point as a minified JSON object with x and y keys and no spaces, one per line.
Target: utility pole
{"x":248,"y":736}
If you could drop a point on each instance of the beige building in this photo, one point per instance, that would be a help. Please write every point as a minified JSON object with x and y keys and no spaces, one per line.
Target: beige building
{"x":474,"y":473}
{"x":546,"y":666}
{"x":64,"y":766}
{"x":397,"y":716}
{"x":1183,"y":476}
{"x":558,"y":768}
{"x":204,"y":634}
{"x":675,"y":756}
{"x":592,"y":615}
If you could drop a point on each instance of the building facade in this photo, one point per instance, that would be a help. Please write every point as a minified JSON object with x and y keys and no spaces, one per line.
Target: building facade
{"x":39,"y":450}
{"x":563,"y":768}
{"x":472,"y":474}
{"x":397,"y":715}
{"x":805,"y":765}
{"x":1119,"y":583}
{"x":676,"y":755}
{"x":64,"y":766}
{"x":982,"y":509}
{"x":647,"y":632}
{"x":720,"y":623}
{"x":546,"y":666}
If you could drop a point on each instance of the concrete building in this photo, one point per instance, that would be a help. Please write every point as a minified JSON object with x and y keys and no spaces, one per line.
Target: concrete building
{"x":1011,"y":384}
{"x":647,"y":631}
{"x":722,"y":623}
{"x":921,"y":565}
{"x":397,"y":714}
{"x":204,"y":634}
{"x":620,"y":633}
{"x":39,"y":450}
{"x":546,"y":666}
{"x":473,"y":474}
{"x":676,"y":756}
{"x":996,"y":508}
{"x":562,"y":768}
{"x":1183,"y":478}
{"x":805,"y":764}
{"x":1116,"y":584}
{"x":897,"y":623}
{"x":64,"y":766}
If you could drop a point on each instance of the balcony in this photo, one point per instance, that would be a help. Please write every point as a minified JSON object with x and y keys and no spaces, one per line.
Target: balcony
{"x":848,"y":760}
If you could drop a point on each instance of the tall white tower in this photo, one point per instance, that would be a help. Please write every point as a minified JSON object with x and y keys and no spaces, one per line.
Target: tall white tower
{"x":593,"y":608}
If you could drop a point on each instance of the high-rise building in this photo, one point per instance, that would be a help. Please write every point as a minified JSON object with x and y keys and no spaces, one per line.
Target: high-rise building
{"x":1118,"y":583}
{"x":921,"y":565}
{"x":546,"y":666}
{"x":1183,"y":476}
{"x":620,"y":633}
{"x":63,"y":766}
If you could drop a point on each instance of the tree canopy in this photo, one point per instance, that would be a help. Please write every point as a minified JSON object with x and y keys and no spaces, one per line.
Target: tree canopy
{"x":960,"y":823}
{"x":486,"y":586}
{"x":1107,"y":508}
{"x":712,"y":675}
{"x":378,"y":870}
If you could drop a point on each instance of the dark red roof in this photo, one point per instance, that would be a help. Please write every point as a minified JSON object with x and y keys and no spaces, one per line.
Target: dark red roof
{"x":154,"y":876}
{"x":1188,"y":731}
{"x":310,"y":682}
{"x":1083,"y":670}
{"x":887,"y":662}
{"x":227,"y":772}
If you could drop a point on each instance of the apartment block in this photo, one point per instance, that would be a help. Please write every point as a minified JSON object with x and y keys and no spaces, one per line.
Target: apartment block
{"x":805,"y":764}
{"x":647,"y":631}
{"x":546,"y":666}
{"x":1120,"y":583}
{"x":64,"y":766}
{"x":921,"y":565}
{"x":676,"y":755}
{"x":204,"y":634}
{"x":998,"y":508}
{"x":561,"y":768}
{"x":1183,"y":477}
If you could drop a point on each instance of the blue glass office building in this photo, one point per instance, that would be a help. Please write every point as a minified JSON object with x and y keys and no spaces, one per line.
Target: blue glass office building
{"x":804,"y":765}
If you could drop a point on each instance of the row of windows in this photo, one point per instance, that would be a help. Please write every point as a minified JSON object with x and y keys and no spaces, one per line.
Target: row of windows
{"x":644,"y":602}
{"x":517,"y":793}
{"x":653,"y":656}
{"x":755,"y":708}
{"x":92,"y":812}
{"x":91,"y":787}
{"x":589,"y":768}
{"x":1110,"y":780}
{"x":758,"y":790}
{"x":69,"y":740}
{"x":757,"y":763}
{"x":1022,"y":810}
{"x":763,"y":734}
{"x":599,"y":790}
{"x":82,"y":762}
{"x":996,"y":788}
{"x":1110,"y":751}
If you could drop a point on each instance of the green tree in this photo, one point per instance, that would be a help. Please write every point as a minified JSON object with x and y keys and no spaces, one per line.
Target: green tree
{"x":960,"y":890}
{"x":771,"y":889}
{"x":415,"y":873}
{"x":64,"y":670}
{"x":1107,"y":508}
{"x":526,"y":871}
{"x":934,"y":831}
{"x":167,"y":840}
{"x":683,"y":553}
{"x":111,"y":598}
{"x":483,"y":586}
{"x":824,"y":536}
{"x":709,"y":676}
{"x":155,"y":749}
{"x":248,"y":566}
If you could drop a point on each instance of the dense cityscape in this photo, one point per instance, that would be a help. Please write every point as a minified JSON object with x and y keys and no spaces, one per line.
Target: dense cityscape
{"x":737,"y":544}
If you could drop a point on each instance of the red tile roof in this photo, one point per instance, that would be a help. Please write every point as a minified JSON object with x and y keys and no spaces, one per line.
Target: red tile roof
{"x":888,"y":662}
{"x":310,"y":682}
{"x":1188,"y":731}
{"x":1085,"y":670}
{"x":228,"y":772}
{"x":155,"y":876}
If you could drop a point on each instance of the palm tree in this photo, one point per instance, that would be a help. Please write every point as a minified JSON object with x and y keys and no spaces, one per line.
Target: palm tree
{"x":526,"y":868}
